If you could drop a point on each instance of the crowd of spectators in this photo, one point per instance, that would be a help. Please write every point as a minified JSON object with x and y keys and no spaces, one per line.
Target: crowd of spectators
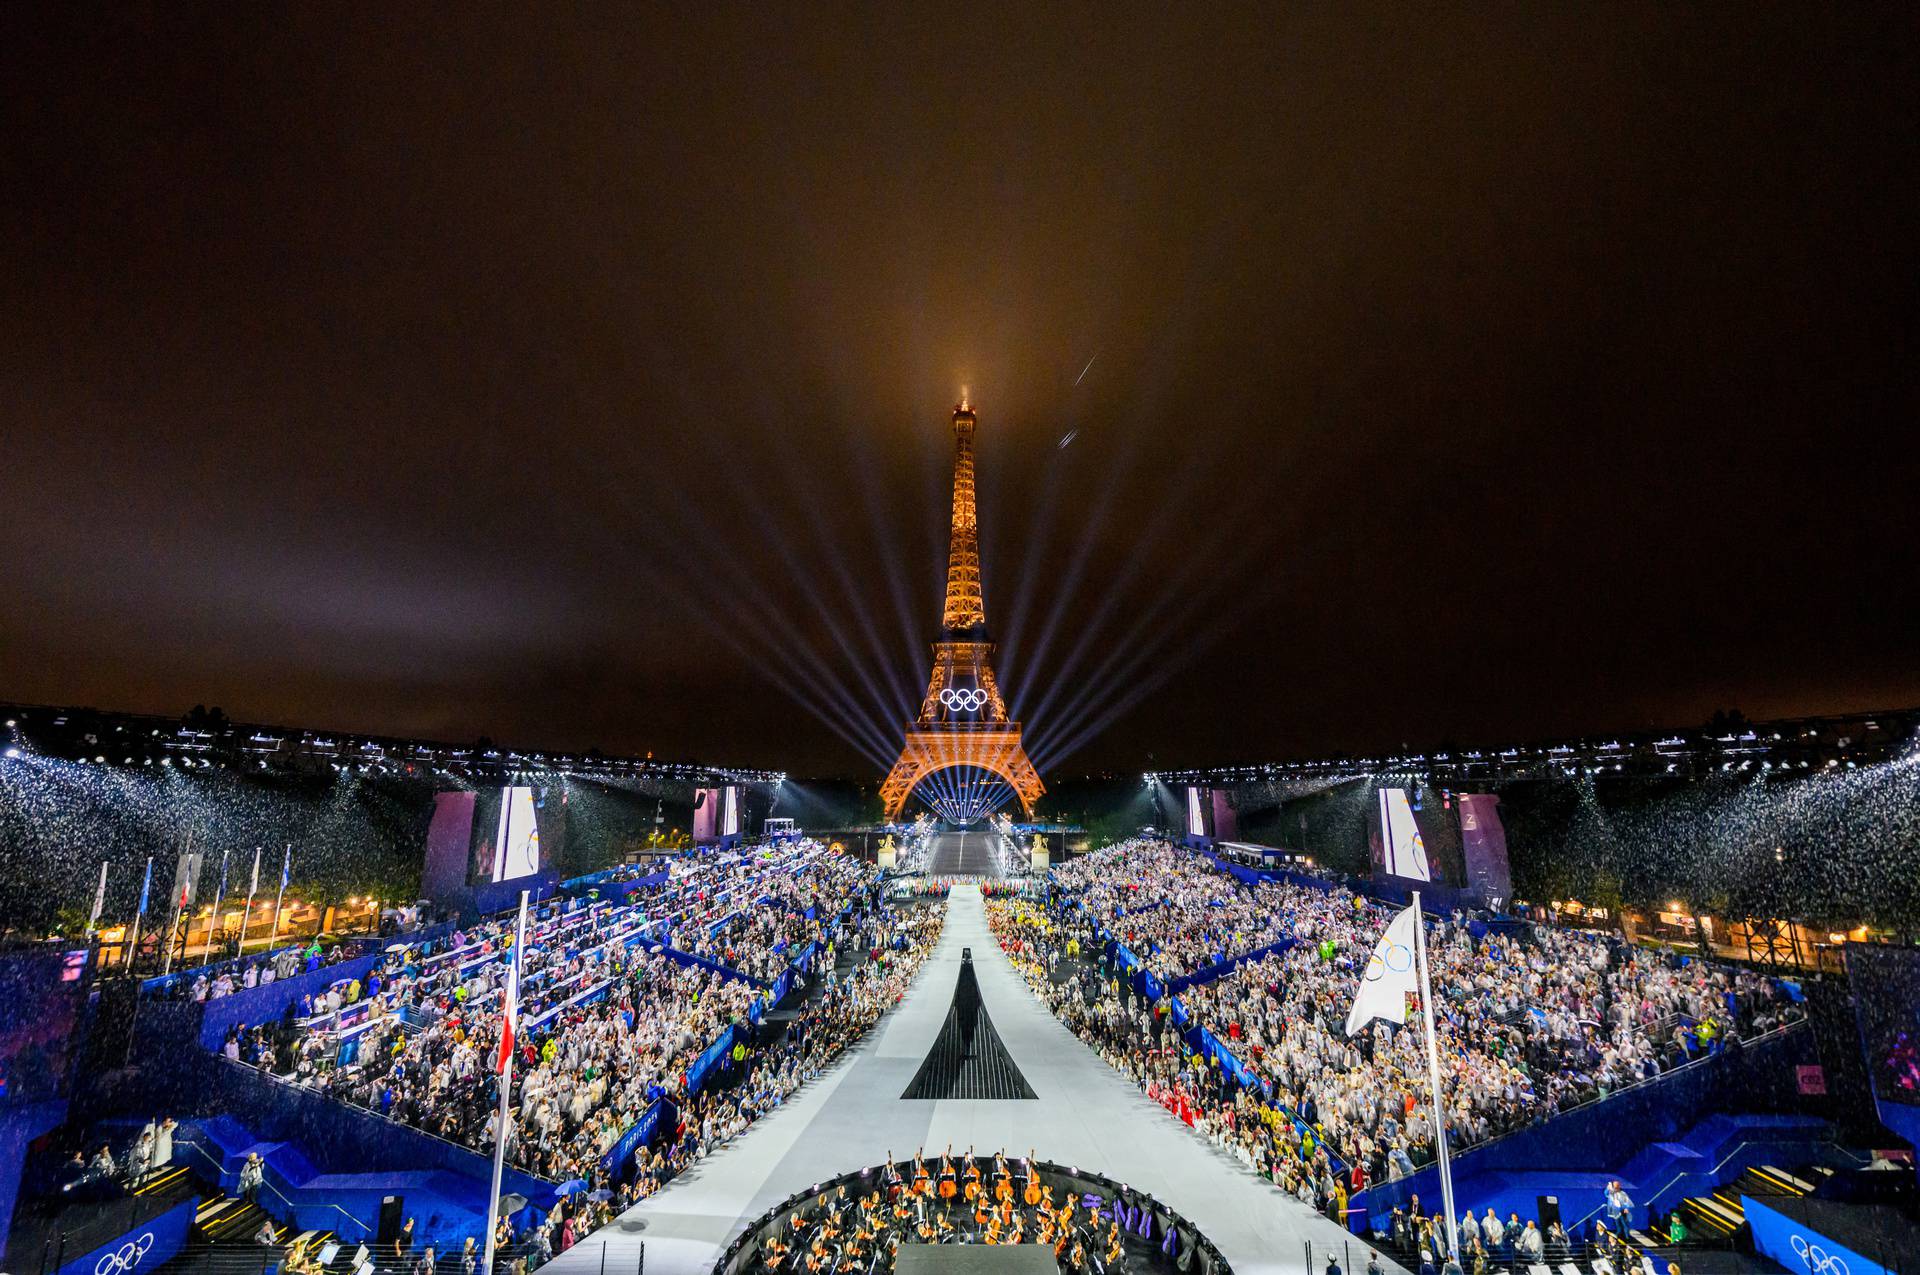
{"x":217,"y":981}
{"x":610,"y":1020}
{"x":759,"y":939}
{"x":1531,"y":1020}
{"x":884,"y":948}
{"x":1169,"y":906}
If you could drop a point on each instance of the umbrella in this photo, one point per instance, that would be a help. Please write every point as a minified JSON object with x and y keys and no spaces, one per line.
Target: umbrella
{"x":568,"y":1188}
{"x":511,"y":1204}
{"x":396,"y":947}
{"x":602,"y":1194}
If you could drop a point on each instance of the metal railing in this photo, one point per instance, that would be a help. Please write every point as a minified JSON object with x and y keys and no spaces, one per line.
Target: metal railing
{"x":216,"y":1174}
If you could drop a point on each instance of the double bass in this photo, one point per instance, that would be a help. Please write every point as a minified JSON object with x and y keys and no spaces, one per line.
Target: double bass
{"x":1031,"y":1195}
{"x":973,"y":1176}
{"x":1002,"y":1180}
{"x":922,"y":1180}
{"x":948,"y":1186}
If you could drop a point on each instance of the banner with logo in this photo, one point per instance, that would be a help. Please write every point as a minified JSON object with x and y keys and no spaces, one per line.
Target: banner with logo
{"x":146,"y":1247}
{"x":1800,"y":1248}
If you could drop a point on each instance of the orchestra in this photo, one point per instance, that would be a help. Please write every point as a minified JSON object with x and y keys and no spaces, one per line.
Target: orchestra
{"x":1002,"y":1202}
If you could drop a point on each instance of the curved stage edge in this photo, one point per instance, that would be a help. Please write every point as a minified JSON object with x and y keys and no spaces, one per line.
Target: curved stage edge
{"x":1157,"y":1238}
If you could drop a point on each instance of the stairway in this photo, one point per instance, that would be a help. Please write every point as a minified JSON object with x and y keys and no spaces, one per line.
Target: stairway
{"x":1722,"y":1215}
{"x":171,"y":1180}
{"x":232,"y":1220}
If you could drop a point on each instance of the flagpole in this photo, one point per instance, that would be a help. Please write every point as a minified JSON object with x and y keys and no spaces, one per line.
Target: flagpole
{"x":219,"y":896}
{"x":286,"y":865}
{"x":246,"y":917}
{"x":99,"y":902}
{"x":134,"y":944}
{"x":509,"y":1012}
{"x":1433,"y":1077}
{"x":179,"y":903}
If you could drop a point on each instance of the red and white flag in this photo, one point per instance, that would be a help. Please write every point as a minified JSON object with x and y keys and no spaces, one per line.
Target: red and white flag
{"x":509,"y":1023}
{"x":510,"y":1020}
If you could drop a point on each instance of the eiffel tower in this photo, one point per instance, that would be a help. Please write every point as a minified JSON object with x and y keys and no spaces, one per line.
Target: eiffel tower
{"x":963,"y":721}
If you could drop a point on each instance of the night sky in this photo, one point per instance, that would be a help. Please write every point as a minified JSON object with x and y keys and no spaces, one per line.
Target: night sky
{"x":1476,"y":375}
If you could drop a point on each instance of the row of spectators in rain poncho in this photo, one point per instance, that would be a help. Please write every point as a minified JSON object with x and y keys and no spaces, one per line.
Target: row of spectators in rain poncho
{"x":238,"y":975}
{"x":1064,"y":962}
{"x":885,"y":950}
{"x":767,"y":931}
{"x":585,"y":1074}
{"x":1528,"y":1026}
{"x":1169,"y":906}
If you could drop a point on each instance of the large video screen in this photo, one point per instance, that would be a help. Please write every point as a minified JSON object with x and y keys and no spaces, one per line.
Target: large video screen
{"x":1403,"y":850}
{"x":516,"y":831}
{"x":716,"y":813}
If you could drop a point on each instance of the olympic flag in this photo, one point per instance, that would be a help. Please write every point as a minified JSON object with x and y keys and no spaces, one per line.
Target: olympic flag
{"x":1399,"y":966}
{"x":1389,"y":975}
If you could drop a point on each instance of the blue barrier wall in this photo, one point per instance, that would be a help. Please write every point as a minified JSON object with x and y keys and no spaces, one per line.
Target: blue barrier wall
{"x":711,"y":1057}
{"x":640,"y":1135}
{"x":20,"y":1124}
{"x":1228,"y":966}
{"x":344,"y":1138}
{"x":1798,"y":1246}
{"x":1603,"y":1135}
{"x":251,"y":1006}
{"x":678,"y":957}
{"x":167,"y":983}
{"x":611,"y":890}
{"x":497,"y":896}
{"x":141,"y":1249}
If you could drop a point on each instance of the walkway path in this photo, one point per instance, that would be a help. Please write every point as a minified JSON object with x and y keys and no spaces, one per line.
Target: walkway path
{"x":962,"y":854}
{"x":1086,"y":1113}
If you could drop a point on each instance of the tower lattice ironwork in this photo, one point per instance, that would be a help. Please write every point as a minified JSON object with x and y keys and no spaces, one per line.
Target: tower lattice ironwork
{"x":963,"y":719}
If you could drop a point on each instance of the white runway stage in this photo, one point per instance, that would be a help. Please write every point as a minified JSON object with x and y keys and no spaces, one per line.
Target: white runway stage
{"x":1085,"y":1114}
